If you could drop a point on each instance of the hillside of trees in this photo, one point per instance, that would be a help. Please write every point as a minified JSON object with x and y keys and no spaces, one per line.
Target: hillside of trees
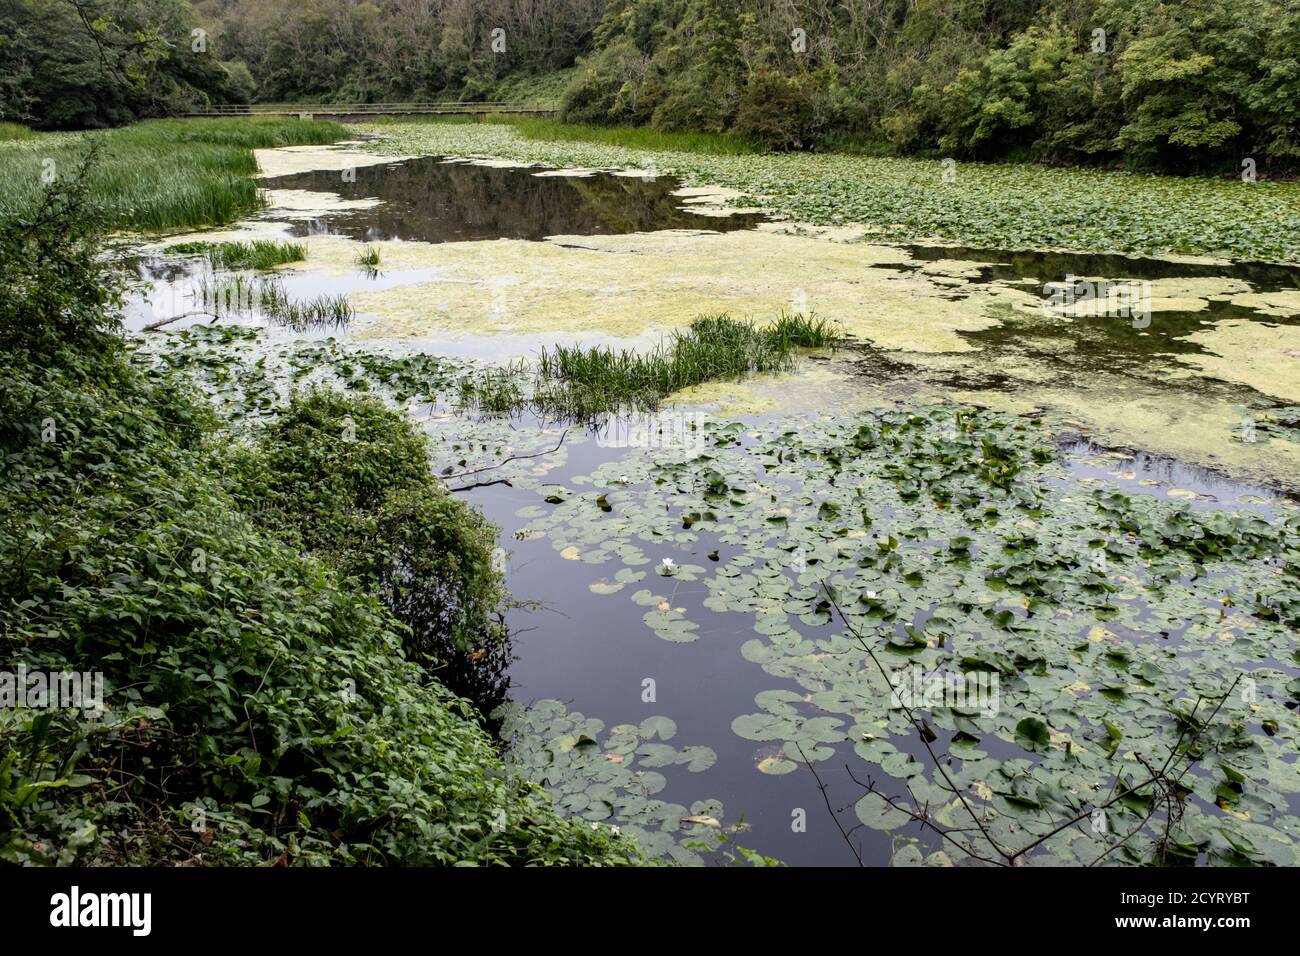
{"x":1171,"y":84}
{"x":74,"y":64}
{"x":1159,"y":82}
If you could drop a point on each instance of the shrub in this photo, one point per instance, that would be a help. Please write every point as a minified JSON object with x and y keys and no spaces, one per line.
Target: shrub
{"x":780,"y":112}
{"x":349,"y":480}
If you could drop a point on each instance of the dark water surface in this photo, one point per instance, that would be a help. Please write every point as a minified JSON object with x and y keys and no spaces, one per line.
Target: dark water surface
{"x":593,"y":651}
{"x":433,"y":200}
{"x":1055,"y":266}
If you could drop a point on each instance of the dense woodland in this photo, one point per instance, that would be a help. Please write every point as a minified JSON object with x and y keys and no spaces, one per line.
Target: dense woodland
{"x":1173,"y":84}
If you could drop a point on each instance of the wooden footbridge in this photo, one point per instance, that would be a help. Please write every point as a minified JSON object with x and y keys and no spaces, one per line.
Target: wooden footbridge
{"x":357,"y":111}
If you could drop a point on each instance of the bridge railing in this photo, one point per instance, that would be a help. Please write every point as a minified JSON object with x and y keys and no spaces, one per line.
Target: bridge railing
{"x":293,"y":109}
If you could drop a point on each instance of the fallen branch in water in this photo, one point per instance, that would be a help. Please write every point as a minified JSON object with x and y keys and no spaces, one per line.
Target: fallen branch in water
{"x":155,"y":326}
{"x":502,"y":464}
{"x":483,"y":484}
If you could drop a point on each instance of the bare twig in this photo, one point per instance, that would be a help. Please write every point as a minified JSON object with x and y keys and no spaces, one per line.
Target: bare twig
{"x":834,"y":816}
{"x":502,"y":464}
{"x":483,"y":484}
{"x":154,"y":326}
{"x":915,"y":723}
{"x":1159,"y":778}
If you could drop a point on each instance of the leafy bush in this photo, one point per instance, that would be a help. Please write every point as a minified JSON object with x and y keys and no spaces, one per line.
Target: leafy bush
{"x":1169,"y":83}
{"x":349,"y":481}
{"x":605,"y":89}
{"x":105,"y":62}
{"x":780,"y":112}
{"x":59,"y":303}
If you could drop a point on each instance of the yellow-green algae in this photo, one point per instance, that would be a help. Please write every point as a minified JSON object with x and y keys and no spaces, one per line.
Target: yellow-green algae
{"x":1265,"y":357}
{"x":636,"y":287}
{"x":286,"y":160}
{"x":1280,"y":304}
{"x":814,"y":386}
{"x":303,"y":203}
{"x":626,"y":285}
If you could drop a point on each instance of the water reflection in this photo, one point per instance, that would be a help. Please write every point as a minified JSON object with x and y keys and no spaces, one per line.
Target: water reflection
{"x":433,"y":200}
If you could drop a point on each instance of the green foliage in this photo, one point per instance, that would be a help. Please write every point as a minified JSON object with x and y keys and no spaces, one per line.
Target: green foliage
{"x":631,"y":137}
{"x":59,"y":302}
{"x":258,"y":254}
{"x":348,"y":480}
{"x":391,"y":50}
{"x":259,"y":706}
{"x":160,"y":174}
{"x":525,"y":89}
{"x":1170,"y":83}
{"x":780,"y":112}
{"x":601,"y":378}
{"x":105,"y":62}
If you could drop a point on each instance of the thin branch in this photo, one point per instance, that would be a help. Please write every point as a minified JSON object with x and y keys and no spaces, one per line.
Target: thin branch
{"x":483,"y":484}
{"x":915,"y":723}
{"x":924,"y":820}
{"x":479,"y":471}
{"x":1117,"y":793}
{"x":155,"y":326}
{"x":834,"y":816}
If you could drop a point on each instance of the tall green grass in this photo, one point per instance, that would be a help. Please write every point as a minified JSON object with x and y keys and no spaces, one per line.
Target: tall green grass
{"x":258,"y":254}
{"x":12,"y":131}
{"x":581,"y":382}
{"x":240,"y":295}
{"x":497,"y":391}
{"x":632,"y":137}
{"x":159,"y":175}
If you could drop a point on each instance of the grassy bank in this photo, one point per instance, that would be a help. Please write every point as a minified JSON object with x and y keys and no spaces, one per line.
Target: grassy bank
{"x":994,"y":206}
{"x":13,"y":131}
{"x":158,"y":175}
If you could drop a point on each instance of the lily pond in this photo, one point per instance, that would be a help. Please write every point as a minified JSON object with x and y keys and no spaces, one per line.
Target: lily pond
{"x":955,"y":589}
